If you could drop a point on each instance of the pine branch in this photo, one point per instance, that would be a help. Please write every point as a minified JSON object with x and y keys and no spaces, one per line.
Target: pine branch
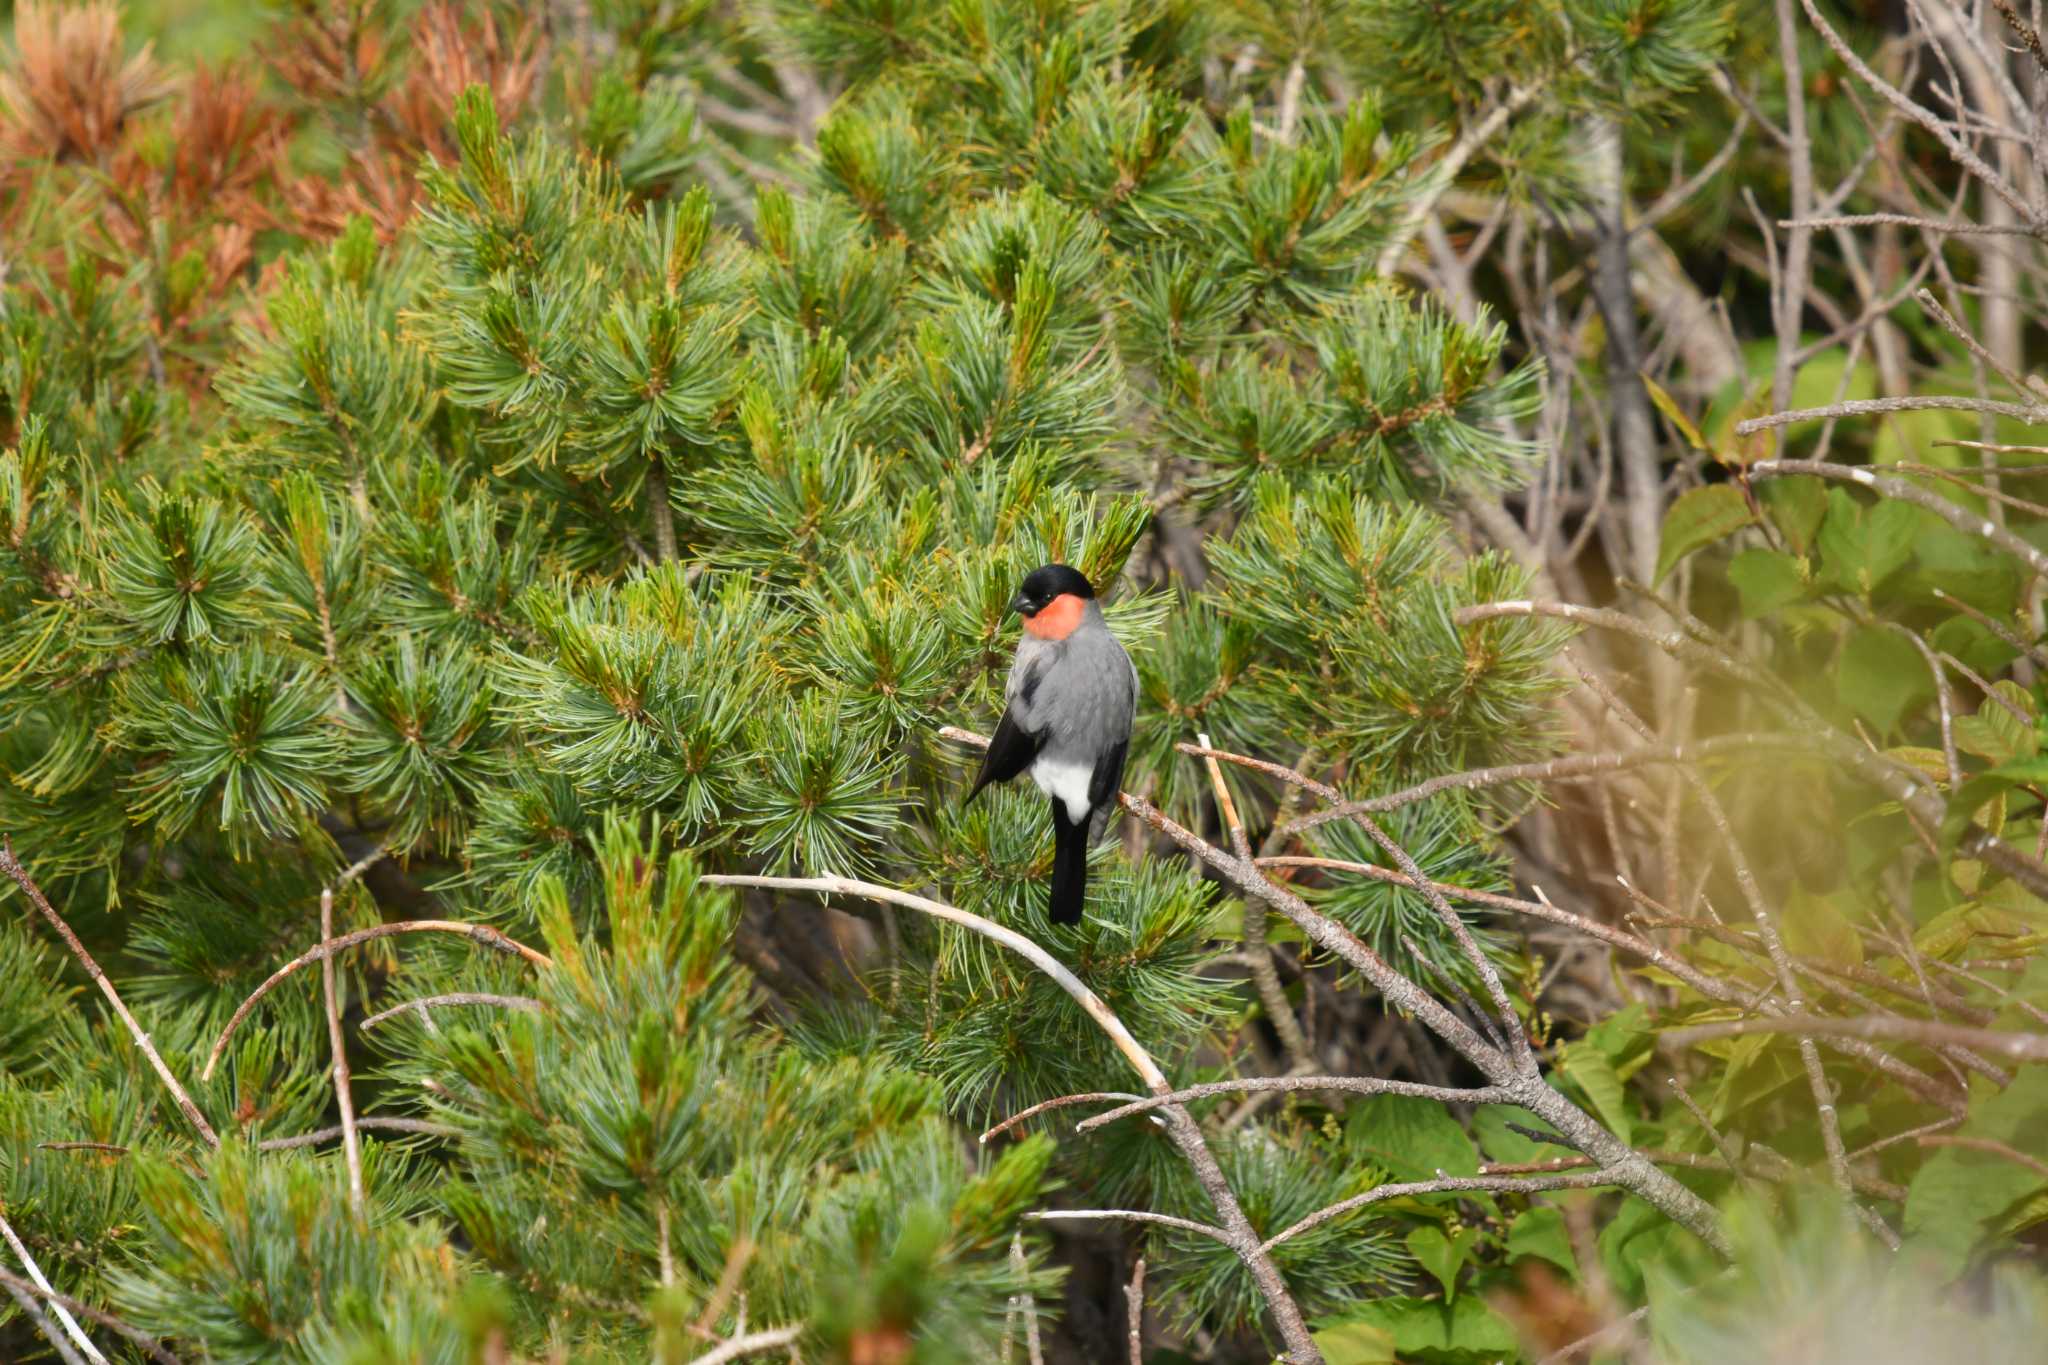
{"x":1238,"y":1232}
{"x":1618,"y":1161}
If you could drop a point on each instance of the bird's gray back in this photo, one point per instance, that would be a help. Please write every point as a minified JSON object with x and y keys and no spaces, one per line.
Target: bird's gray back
{"x":1080,"y":693}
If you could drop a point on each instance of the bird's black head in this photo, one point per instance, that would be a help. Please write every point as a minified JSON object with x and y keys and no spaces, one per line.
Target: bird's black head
{"x":1042,"y":585}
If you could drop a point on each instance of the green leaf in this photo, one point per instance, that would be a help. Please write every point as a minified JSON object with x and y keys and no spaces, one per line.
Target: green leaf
{"x":1701,"y":517}
{"x":1815,"y":927}
{"x":1430,"y":1330}
{"x":1880,"y":676}
{"x":1766,"y":580}
{"x":1862,"y":547}
{"x":1589,"y":1068}
{"x":1442,"y":1254}
{"x":1501,"y":1143}
{"x":1411,"y":1137}
{"x":1796,"y":507}
{"x":1962,"y":1195}
{"x":1995,"y":732}
{"x":1669,"y":407}
{"x":1357,"y":1343}
{"x":1540,"y":1232}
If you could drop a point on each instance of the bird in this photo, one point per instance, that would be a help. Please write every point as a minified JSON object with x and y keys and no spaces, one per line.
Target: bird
{"x":1069,"y":703}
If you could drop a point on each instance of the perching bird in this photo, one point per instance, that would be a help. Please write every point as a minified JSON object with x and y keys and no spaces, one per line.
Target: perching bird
{"x":1069,"y":704}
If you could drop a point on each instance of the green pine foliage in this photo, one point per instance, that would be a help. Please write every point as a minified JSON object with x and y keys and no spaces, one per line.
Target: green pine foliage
{"x":593,"y":524}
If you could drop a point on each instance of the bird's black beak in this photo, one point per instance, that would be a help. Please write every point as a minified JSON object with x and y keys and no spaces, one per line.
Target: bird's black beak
{"x":1021,"y":605}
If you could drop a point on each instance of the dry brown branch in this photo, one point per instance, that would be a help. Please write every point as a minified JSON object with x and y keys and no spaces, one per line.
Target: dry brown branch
{"x":1954,"y":228}
{"x":478,"y":933}
{"x":1933,"y":123}
{"x":13,"y":868}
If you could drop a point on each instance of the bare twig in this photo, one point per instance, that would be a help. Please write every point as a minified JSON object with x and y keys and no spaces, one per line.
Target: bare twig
{"x":1026,"y":1304}
{"x":344,"y":1101}
{"x":1355,"y":1085}
{"x":1258,"y":954}
{"x":1134,"y":1303}
{"x":1449,"y":1184}
{"x":1059,"y":1102}
{"x":1164,"y":1220}
{"x":2032,"y":1047}
{"x":2034,"y":413}
{"x":14,"y":869}
{"x":482,"y":934}
{"x":1992,"y":1146}
{"x":753,"y":1343}
{"x":427,"y":1002}
{"x":373,"y":1123}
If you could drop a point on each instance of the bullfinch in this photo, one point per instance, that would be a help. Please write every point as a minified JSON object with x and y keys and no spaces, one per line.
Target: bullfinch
{"x":1069,"y":704}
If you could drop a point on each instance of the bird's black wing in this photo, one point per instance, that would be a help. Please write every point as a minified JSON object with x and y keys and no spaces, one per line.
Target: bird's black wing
{"x":1106,"y":782}
{"x":1009,"y":753}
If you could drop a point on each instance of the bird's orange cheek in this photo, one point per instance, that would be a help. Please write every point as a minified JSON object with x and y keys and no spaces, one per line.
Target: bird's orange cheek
{"x":1057,"y":619}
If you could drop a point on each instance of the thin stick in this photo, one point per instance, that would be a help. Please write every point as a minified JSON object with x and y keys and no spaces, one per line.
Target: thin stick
{"x":367,"y":1123}
{"x":1991,"y":1145}
{"x":1449,"y":1184}
{"x":427,"y":1002}
{"x":1134,"y":1295}
{"x":42,"y":1286}
{"x":1034,"y":1346}
{"x":1572,"y":767}
{"x":2032,"y":1047}
{"x":1955,"y":228}
{"x":1258,"y":954}
{"x":1864,"y":407}
{"x":344,"y":1101}
{"x":1059,"y":1102}
{"x":1356,"y":1085}
{"x":479,"y":933}
{"x":1164,"y":1220}
{"x":14,"y":869}
{"x":752,"y":1344}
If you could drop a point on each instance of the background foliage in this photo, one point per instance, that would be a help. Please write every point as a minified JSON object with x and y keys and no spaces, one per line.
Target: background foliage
{"x":503,"y":465}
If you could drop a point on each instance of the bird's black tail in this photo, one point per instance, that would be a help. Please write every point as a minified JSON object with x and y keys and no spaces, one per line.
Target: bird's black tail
{"x":1069,"y":866}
